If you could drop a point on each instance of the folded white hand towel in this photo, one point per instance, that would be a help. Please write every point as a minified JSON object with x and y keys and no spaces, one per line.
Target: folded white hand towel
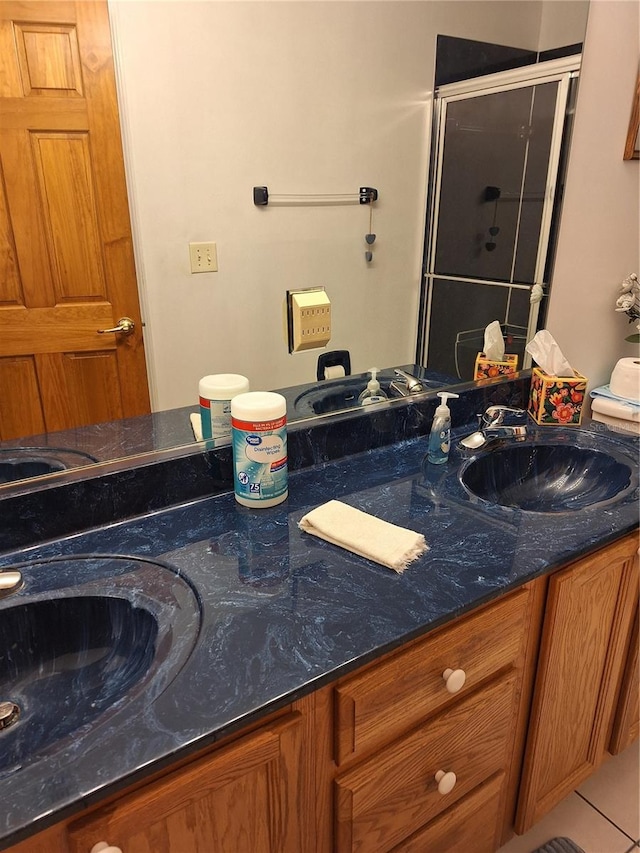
{"x":615,"y":408}
{"x":364,"y":534}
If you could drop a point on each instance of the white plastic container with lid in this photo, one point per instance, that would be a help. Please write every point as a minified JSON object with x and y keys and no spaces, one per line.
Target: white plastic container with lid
{"x":216,"y":392}
{"x":259,"y":442}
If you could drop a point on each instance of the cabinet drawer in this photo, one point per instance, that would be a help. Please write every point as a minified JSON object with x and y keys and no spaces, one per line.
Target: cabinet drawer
{"x":385,"y":799}
{"x":380,"y":704}
{"x":471,"y":825}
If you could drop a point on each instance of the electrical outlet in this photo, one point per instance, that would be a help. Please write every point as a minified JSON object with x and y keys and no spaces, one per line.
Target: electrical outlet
{"x":203,"y":257}
{"x":309,"y":319}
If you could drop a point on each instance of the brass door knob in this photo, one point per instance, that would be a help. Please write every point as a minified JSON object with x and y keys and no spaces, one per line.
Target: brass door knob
{"x":125,"y":327}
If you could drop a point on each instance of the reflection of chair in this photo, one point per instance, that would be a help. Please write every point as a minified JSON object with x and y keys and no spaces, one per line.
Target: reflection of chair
{"x":471,"y":341}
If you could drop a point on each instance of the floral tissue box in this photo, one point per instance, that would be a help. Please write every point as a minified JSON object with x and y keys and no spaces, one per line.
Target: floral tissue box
{"x":487,"y":369}
{"x":556,"y":399}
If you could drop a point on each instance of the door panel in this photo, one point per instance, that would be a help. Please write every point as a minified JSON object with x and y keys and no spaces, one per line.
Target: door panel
{"x":77,"y":387}
{"x":68,"y":210}
{"x":20,"y":412}
{"x":65,"y":236}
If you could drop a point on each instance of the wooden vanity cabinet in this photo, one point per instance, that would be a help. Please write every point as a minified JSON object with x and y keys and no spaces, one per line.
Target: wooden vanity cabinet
{"x":583,"y":654}
{"x":356,"y":765}
{"x":424,"y":761}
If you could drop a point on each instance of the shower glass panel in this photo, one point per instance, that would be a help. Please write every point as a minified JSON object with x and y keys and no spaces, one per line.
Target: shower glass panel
{"x":493,"y":184}
{"x":495,"y":164}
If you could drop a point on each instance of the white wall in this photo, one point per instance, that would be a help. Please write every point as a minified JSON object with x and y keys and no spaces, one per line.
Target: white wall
{"x":303,"y":97}
{"x":600,"y":228}
{"x":561,"y":21}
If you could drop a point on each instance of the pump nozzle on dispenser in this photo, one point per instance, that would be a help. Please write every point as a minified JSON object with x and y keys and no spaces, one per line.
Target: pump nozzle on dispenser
{"x":440,"y":435}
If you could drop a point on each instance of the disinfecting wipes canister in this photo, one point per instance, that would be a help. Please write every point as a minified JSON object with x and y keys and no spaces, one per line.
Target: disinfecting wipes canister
{"x":215,"y":393}
{"x":259,"y":441}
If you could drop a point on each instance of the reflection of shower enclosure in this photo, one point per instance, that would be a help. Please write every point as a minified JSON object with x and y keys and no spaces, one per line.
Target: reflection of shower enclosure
{"x":495,"y":164}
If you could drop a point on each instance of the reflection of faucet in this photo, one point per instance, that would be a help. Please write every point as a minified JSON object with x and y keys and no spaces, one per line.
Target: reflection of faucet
{"x":492,"y":427}
{"x":408,"y":385}
{"x":10,"y":581}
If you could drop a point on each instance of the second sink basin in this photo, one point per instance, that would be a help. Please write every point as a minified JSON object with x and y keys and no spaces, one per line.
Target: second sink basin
{"x":65,"y":661}
{"x":80,"y":641}
{"x":21,"y":463}
{"x":336,"y":395}
{"x":547,"y":478}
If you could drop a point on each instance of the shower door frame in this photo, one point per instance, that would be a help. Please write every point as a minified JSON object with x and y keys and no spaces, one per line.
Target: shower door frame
{"x":557,"y":70}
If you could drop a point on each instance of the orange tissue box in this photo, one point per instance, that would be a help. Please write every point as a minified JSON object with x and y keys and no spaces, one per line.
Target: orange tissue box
{"x":487,"y":369}
{"x":556,"y":399}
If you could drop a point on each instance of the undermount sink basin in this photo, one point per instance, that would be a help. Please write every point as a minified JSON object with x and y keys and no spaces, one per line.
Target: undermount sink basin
{"x":548,"y":478}
{"x":72,"y":657}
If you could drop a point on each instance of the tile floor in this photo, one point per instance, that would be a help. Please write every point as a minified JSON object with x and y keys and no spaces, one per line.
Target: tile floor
{"x":602,"y":816}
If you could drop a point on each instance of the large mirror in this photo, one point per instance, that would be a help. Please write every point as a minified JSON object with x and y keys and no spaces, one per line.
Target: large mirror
{"x":317,"y":99}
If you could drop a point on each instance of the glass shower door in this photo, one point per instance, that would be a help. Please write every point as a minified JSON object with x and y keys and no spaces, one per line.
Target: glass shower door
{"x":497,"y":154}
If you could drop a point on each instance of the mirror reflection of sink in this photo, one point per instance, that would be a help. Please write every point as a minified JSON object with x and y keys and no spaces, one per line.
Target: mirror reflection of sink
{"x":548,"y":478}
{"x":334,"y":395}
{"x":22,"y":467}
{"x":71,"y":657}
{"x":20,"y":463}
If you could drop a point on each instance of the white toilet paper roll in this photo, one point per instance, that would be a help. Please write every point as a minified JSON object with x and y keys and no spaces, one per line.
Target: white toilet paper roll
{"x":336,"y":372}
{"x":625,"y":379}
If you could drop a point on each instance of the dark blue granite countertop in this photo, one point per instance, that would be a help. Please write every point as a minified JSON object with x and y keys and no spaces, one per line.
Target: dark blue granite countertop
{"x":279,"y":613}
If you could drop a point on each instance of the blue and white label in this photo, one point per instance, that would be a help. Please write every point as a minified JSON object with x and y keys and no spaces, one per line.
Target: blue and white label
{"x":260,"y":460}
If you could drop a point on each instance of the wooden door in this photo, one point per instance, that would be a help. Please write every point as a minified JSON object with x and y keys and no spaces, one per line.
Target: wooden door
{"x":245,"y":798}
{"x":66,"y":258}
{"x":586,"y":630}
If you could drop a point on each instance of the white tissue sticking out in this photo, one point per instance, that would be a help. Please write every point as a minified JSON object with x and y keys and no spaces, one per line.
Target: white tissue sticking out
{"x":493,"y":342}
{"x":336,"y":372}
{"x":547,"y":354}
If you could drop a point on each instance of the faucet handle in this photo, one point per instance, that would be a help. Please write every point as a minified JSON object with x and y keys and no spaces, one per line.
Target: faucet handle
{"x":494,"y":416}
{"x":412,"y":382}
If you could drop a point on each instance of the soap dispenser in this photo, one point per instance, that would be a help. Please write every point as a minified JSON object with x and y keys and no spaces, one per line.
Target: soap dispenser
{"x":440,"y":435}
{"x":373,"y":393}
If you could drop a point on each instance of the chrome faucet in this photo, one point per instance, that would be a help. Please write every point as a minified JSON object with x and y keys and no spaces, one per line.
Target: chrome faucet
{"x":405,"y":384}
{"x":491,"y":427}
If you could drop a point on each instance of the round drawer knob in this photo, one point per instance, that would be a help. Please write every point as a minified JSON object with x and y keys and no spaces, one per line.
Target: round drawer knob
{"x":454,"y":679}
{"x":446,"y":781}
{"x":103,"y":847}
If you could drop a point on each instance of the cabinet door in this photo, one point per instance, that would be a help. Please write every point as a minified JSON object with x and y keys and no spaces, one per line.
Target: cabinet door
{"x":626,"y":726}
{"x":244,"y":798}
{"x":585,"y":634}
